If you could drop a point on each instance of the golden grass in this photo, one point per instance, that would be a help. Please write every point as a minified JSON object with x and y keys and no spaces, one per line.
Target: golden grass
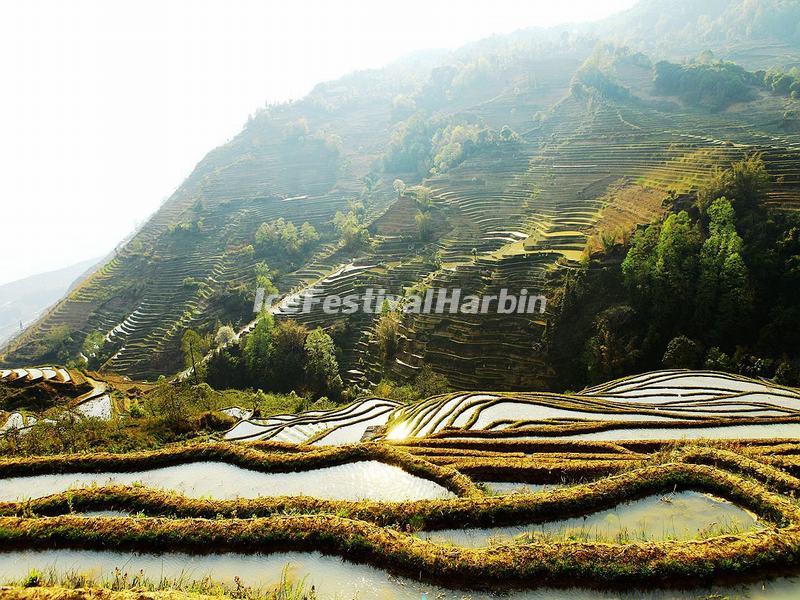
{"x":59,"y":593}
{"x":380,"y":533}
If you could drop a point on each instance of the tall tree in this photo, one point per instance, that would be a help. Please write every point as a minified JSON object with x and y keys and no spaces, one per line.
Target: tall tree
{"x":289,"y":355}
{"x":322,"y":369}
{"x":258,"y":349}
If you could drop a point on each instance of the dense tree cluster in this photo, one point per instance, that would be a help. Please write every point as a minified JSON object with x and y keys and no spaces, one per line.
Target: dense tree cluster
{"x":278,"y":357}
{"x":711,"y":85}
{"x":781,"y":83}
{"x":426,"y":146}
{"x":352,"y":226}
{"x":284,"y":236}
{"x":591,"y":78}
{"x":711,"y":286}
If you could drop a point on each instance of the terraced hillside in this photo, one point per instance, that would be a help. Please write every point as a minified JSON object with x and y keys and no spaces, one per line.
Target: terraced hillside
{"x":189,"y":266}
{"x":563,"y":157}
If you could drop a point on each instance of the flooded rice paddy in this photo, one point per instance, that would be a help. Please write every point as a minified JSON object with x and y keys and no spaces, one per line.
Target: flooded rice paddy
{"x":331,"y":577}
{"x":678,"y":516}
{"x":364,"y":480}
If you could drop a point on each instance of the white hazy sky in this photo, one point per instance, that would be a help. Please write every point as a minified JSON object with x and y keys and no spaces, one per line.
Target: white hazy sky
{"x":107,"y":105}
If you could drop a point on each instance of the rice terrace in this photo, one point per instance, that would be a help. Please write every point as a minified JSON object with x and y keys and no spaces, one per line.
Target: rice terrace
{"x":515,"y":318}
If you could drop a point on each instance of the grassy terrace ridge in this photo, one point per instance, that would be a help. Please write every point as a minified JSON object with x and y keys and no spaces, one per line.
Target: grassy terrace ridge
{"x":604,"y":475}
{"x":520,"y":508}
{"x":364,"y":541}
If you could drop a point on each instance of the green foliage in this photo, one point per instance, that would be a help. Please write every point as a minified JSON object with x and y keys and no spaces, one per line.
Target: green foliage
{"x":717,"y":360}
{"x":194,"y":347}
{"x":661,"y":267}
{"x":787,"y":374}
{"x":227,"y":368}
{"x":322,"y":368}
{"x":726,"y":272}
{"x":136,"y":411}
{"x":34,"y":579}
{"x":93,"y":344}
{"x":259,"y":347}
{"x":225,"y":335}
{"x":615,"y":346}
{"x":69,"y":434}
{"x":410,"y":145}
{"x":682,"y":353}
{"x":429,"y":383}
{"x":457,"y":142}
{"x":282,"y":236}
{"x":58,"y":342}
{"x":387,"y":335}
{"x":190,"y":282}
{"x":783,"y":83}
{"x":172,"y":406}
{"x":264,"y":278}
{"x":713,"y":86}
{"x":424,"y":223}
{"x":288,"y":362}
{"x":187,"y":228}
{"x":352,"y":229}
{"x":723,"y":295}
{"x":744,"y":183}
{"x":399,"y":186}
{"x":595,"y":75}
{"x":429,"y":146}
{"x":591,"y":78}
{"x":280,"y":357}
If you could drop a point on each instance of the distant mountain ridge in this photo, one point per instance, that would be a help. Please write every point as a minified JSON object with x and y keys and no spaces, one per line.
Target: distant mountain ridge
{"x":758,"y":34}
{"x":21,"y":301}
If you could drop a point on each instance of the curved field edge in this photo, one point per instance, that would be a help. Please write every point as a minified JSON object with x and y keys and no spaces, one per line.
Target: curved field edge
{"x":360,"y":541}
{"x":252,"y":458}
{"x":528,"y":508}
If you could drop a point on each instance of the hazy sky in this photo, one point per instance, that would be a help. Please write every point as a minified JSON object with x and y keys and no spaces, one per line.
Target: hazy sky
{"x":107,"y":105}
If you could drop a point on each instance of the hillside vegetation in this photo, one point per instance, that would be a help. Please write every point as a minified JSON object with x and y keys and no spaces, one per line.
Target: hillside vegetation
{"x":535,"y":161}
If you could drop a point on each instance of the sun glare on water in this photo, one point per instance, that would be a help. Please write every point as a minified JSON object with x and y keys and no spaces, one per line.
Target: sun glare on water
{"x":399,"y":432}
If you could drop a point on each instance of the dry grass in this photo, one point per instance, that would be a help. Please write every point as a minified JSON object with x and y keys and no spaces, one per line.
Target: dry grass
{"x":380,"y":533}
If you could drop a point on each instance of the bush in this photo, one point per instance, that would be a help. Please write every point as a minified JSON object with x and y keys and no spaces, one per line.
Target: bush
{"x":786,"y":374}
{"x":428,"y":383}
{"x":215,"y":421}
{"x":682,"y":353}
{"x":387,"y":334}
{"x":284,"y":236}
{"x":717,"y":360}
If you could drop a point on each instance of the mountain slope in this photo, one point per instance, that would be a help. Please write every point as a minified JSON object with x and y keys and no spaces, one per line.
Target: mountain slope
{"x":23,"y":300}
{"x":531,"y":147}
{"x":758,"y":34}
